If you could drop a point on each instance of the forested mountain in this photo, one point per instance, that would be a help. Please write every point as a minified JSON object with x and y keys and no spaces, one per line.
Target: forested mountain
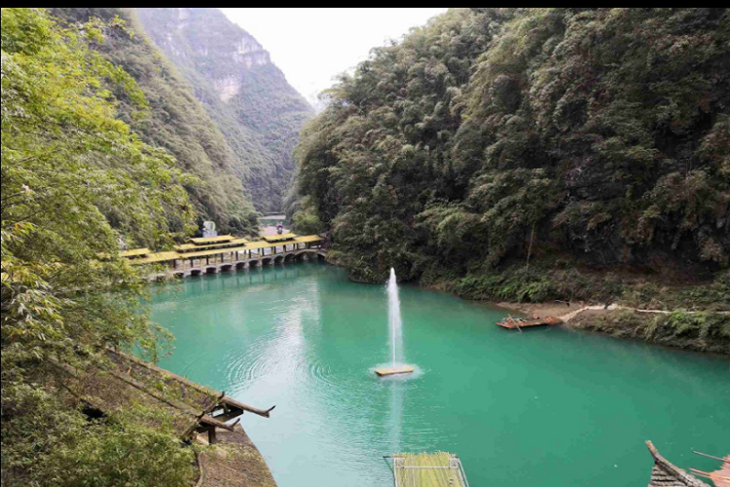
{"x":256,"y":109}
{"x":499,"y":136}
{"x":174,"y":120}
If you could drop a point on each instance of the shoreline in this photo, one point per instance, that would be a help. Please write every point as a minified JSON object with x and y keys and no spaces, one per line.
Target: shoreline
{"x":619,"y":322}
{"x":614,"y":321}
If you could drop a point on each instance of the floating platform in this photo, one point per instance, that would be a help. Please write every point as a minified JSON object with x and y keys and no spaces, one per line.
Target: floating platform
{"x":519,"y":323}
{"x":397,"y":370}
{"x":428,"y":470}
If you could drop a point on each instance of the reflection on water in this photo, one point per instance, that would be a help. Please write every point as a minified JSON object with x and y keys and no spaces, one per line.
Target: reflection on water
{"x":550,"y":407}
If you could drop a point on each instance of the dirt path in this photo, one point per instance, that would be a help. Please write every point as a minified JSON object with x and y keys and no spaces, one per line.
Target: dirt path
{"x":556,"y":309}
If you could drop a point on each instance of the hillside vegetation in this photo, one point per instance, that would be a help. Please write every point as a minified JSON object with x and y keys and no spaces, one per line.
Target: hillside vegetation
{"x":174,"y":120}
{"x":247,"y":96}
{"x":543,"y":139}
{"x":77,"y":180}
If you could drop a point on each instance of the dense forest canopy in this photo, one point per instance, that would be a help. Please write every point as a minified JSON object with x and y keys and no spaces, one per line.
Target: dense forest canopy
{"x":492,"y":136}
{"x":76,"y":181}
{"x":249,"y":98}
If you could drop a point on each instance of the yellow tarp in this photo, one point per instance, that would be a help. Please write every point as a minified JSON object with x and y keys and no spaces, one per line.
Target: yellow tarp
{"x":212,"y":240}
{"x":135,"y":253}
{"x":193,"y":247}
{"x":280,"y":238}
{"x":262,"y":245}
{"x":308,"y":239}
{"x":156,"y":258}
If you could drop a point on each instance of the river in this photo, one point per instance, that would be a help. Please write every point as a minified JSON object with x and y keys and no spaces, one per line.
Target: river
{"x":547,"y":408}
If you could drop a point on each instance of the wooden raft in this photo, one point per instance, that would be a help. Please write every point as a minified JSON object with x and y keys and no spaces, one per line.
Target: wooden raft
{"x":395,"y":370}
{"x":520,"y":323}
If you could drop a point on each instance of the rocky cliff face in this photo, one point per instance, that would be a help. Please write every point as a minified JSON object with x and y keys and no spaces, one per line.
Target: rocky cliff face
{"x":243,"y":91}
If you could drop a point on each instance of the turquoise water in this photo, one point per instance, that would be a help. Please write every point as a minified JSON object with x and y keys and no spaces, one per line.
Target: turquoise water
{"x":545,"y":408}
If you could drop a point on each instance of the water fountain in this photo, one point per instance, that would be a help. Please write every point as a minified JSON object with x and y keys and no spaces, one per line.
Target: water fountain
{"x":396,"y":332}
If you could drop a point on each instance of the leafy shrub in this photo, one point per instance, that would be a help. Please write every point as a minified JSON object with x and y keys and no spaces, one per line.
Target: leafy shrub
{"x":73,"y":451}
{"x":536,"y":285}
{"x":700,"y":331}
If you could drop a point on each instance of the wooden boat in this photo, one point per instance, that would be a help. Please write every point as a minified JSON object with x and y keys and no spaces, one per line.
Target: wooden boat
{"x":512,"y":323}
{"x":721,"y":478}
{"x":666,"y":474}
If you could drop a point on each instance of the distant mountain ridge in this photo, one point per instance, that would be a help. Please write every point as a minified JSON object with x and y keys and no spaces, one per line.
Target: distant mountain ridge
{"x":257,"y":110}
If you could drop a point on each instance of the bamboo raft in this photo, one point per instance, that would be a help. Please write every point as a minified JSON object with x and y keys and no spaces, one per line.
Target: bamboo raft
{"x":395,"y":370}
{"x":520,"y":323}
{"x":428,"y":470}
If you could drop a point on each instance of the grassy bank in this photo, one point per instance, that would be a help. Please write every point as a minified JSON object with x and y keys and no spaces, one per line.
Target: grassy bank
{"x":696,"y":321}
{"x":702,"y":332}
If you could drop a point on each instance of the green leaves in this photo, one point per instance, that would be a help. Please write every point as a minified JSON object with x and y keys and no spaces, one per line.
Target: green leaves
{"x":76,"y":183}
{"x":74,"y":452}
{"x":490,"y":135}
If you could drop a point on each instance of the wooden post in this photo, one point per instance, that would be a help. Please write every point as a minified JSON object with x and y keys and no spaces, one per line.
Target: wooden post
{"x":212,"y":437}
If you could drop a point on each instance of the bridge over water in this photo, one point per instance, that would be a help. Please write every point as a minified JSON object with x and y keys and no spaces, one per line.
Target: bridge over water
{"x":227,"y":254}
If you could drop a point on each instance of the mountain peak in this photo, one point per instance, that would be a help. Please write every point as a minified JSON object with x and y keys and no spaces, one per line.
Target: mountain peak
{"x":247,"y":94}
{"x":206,"y":38}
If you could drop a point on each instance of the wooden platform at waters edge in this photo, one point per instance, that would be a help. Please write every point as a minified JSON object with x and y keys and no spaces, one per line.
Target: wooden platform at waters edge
{"x":397,"y":370}
{"x":519,"y":323}
{"x":428,"y":470}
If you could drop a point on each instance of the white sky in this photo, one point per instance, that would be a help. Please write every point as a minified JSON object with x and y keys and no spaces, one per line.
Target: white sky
{"x":312,"y":46}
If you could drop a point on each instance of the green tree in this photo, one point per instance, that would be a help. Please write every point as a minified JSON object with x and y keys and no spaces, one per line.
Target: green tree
{"x":76,"y":184}
{"x":492,"y":137}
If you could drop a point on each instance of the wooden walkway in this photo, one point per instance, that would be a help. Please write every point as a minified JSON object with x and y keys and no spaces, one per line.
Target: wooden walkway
{"x":226,"y":254}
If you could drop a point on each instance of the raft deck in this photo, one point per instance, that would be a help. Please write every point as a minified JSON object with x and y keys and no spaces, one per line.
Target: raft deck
{"x":428,"y":470}
{"x":518,"y":323}
{"x":395,"y":370}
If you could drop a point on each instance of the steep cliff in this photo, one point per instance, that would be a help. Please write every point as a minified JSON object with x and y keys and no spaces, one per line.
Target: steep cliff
{"x":175,"y":120}
{"x":256,"y":109}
